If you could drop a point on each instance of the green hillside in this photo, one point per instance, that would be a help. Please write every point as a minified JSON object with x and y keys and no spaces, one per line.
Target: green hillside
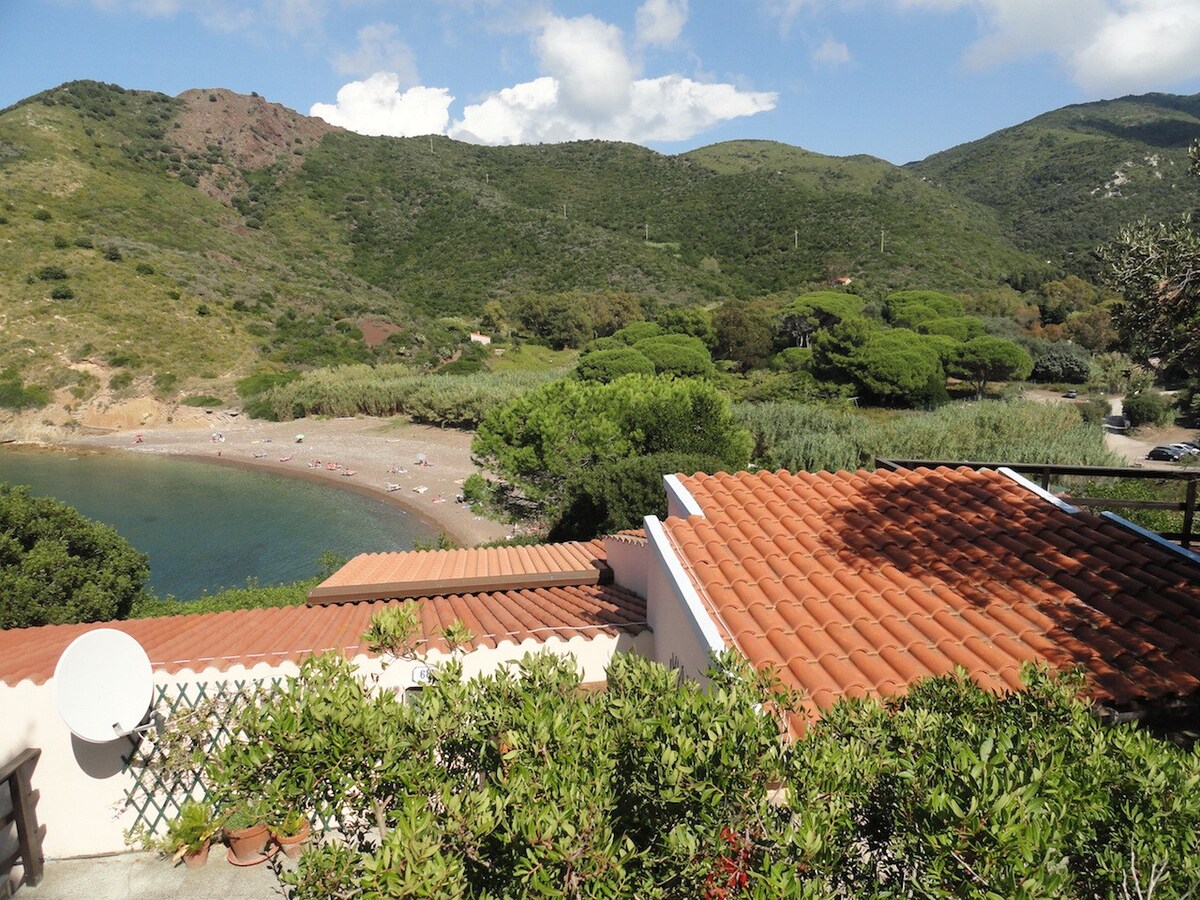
{"x":187,"y":241}
{"x":1063,"y":182}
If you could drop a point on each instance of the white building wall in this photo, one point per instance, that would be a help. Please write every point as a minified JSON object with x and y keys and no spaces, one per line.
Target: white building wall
{"x":83,"y":786}
{"x":685,"y":636}
{"x":629,"y":562}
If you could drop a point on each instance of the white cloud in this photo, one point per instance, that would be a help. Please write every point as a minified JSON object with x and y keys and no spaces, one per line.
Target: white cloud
{"x":379,"y":49}
{"x":786,"y":11}
{"x":1145,"y":46}
{"x":660,"y":22}
{"x":587,"y":88}
{"x":516,"y":115}
{"x":586,"y":57}
{"x":670,"y":108}
{"x":590,"y":89}
{"x":377,"y":106}
{"x":831,"y":53}
{"x":1109,"y":46}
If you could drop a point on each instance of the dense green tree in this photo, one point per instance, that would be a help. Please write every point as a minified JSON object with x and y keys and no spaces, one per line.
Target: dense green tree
{"x":609,"y":365}
{"x":1058,"y":300}
{"x":961,"y":328}
{"x":833,"y":350}
{"x":57,"y":566}
{"x":1156,"y":268}
{"x":691,"y":320}
{"x":676,"y":354}
{"x":1062,"y":362}
{"x":1092,"y":329}
{"x":620,"y":495}
{"x":984,"y":359}
{"x":1147,"y":408}
{"x":792,"y":359}
{"x":745,"y":333}
{"x":908,"y":309}
{"x":898,"y":367}
{"x":543,"y":438}
{"x":813,"y":312}
{"x":637,"y":331}
{"x":558,"y":319}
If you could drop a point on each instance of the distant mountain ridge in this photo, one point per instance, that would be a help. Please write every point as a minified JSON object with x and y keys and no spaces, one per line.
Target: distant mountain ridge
{"x":205,"y":235}
{"x":1063,"y":181}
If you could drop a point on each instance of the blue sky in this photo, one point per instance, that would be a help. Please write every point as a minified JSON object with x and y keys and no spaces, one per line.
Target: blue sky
{"x":898,"y":79}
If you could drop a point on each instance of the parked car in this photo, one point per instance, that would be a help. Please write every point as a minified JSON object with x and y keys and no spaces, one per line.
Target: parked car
{"x":1185,"y":448}
{"x":1165,"y":453}
{"x":1071,"y":395}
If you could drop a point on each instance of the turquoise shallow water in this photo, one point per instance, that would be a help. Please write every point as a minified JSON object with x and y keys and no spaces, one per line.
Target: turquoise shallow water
{"x":208,"y":527}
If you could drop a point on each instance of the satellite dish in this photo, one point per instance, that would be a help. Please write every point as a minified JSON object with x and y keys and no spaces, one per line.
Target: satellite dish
{"x":104,"y":685}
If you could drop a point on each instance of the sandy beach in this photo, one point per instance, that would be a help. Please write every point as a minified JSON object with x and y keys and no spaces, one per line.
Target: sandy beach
{"x":370,"y":455}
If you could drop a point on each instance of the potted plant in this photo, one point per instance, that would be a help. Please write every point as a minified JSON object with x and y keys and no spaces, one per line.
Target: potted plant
{"x":189,"y":835}
{"x":291,"y":832}
{"x":246,"y":833}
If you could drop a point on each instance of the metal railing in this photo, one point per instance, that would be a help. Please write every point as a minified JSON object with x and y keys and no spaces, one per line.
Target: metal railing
{"x":19,"y":775}
{"x":1045,"y":472}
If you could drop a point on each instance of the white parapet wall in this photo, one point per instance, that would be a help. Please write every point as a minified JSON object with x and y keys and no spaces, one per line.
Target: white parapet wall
{"x":84,"y":787}
{"x":685,"y":635}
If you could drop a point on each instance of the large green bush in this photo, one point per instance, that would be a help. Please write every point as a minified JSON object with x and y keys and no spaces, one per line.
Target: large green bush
{"x":1148,"y":408}
{"x":1062,"y":363}
{"x":542,"y":439}
{"x":518,"y":784}
{"x":609,"y":365}
{"x":619,"y":495}
{"x":58,"y":566}
{"x":898,"y":367}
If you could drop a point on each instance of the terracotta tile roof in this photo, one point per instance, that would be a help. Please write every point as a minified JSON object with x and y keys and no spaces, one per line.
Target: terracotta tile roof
{"x":417,"y":573}
{"x":247,"y":637}
{"x":857,"y":584}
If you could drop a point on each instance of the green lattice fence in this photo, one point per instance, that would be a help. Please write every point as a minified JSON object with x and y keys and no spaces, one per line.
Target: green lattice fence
{"x":167,"y":763}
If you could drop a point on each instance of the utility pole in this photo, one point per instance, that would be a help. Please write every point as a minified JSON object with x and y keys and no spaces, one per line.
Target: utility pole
{"x":564,"y":210}
{"x":880,"y":241}
{"x":431,"y":143}
{"x":647,"y":231}
{"x":487,"y":178}
{"x":796,"y":244}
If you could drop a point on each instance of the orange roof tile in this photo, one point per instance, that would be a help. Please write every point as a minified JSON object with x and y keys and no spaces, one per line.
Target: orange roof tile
{"x":862,"y":582}
{"x":418,"y":573}
{"x":247,"y":637}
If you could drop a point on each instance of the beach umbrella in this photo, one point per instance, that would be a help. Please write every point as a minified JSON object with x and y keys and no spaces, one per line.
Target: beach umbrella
{"x":299,"y":438}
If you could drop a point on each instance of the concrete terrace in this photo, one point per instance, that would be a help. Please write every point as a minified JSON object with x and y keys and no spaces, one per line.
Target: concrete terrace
{"x":145,"y":875}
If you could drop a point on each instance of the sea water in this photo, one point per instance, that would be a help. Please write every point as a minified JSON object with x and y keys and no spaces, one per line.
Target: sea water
{"x":208,"y":527}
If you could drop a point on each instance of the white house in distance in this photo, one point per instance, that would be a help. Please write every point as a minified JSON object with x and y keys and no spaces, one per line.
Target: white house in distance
{"x":851,"y":584}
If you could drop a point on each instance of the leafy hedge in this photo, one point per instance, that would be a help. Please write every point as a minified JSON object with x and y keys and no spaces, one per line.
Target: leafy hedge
{"x":519,"y":784}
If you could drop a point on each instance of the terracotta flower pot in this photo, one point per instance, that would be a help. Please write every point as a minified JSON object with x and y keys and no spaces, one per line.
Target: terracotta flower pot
{"x":248,"y":845}
{"x":197,"y":859}
{"x":293,"y":844}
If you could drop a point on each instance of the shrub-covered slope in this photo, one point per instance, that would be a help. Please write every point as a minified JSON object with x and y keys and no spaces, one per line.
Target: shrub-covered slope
{"x":1064,"y":181}
{"x":201,"y":237}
